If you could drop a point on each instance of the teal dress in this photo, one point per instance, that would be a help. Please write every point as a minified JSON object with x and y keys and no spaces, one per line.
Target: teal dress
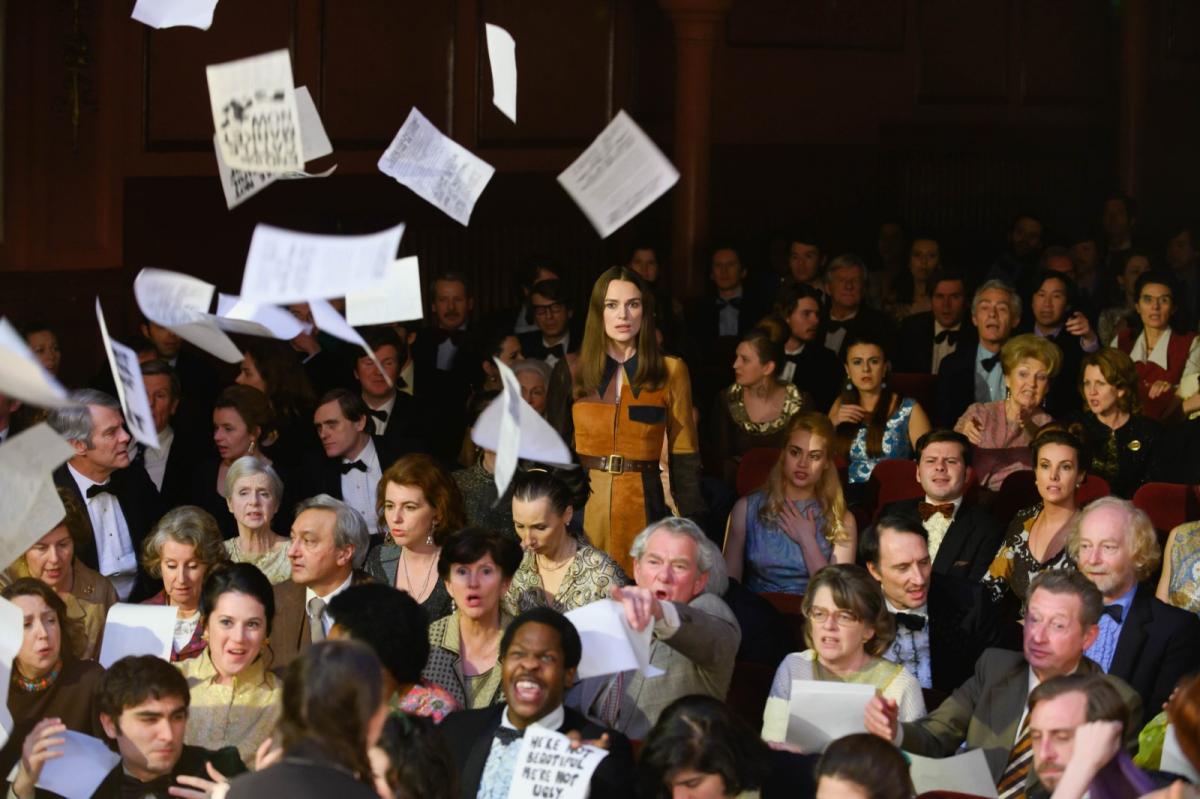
{"x":896,"y":443}
{"x":774,"y":563}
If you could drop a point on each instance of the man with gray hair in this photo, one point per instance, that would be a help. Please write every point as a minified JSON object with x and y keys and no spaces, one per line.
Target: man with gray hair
{"x":121,"y":501}
{"x":695,"y":638}
{"x":974,"y":374}
{"x":328,"y":548}
{"x":848,"y":315}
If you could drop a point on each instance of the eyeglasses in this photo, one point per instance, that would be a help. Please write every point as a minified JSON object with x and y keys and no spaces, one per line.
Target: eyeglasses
{"x":553,"y":308}
{"x":841,"y":618}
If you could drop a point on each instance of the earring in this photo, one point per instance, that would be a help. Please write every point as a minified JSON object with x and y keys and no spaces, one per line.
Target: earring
{"x":849,"y":384}
{"x":250,"y":449}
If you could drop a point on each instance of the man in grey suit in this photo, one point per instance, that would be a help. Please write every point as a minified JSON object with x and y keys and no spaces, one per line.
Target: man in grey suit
{"x":695,"y":637}
{"x":988,"y":711}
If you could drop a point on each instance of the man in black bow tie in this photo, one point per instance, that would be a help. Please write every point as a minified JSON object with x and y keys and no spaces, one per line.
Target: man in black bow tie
{"x":446,"y":358}
{"x":848,"y":315}
{"x":550,"y":305}
{"x":974,"y":374}
{"x":927,"y":338}
{"x":395,"y":410}
{"x":897,"y":556}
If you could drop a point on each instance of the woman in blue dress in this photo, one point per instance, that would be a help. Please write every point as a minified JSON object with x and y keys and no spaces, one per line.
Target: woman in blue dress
{"x":797,"y":523}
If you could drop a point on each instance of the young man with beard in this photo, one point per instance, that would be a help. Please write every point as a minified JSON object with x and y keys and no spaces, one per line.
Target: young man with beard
{"x":807,"y":364}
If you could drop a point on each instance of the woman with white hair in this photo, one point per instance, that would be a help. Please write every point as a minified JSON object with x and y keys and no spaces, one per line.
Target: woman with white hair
{"x":253,"y":492}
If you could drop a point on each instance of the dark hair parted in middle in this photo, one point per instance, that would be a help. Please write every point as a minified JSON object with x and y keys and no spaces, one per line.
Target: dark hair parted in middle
{"x":391,"y":622}
{"x":854,"y":589}
{"x":470,"y":544}
{"x":238,"y":578}
{"x":568,"y":636}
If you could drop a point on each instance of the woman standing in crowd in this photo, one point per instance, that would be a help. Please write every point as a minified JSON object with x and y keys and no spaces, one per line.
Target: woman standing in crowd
{"x":1036,"y":539}
{"x":849,"y":627}
{"x":235,"y":697}
{"x":254,"y":491}
{"x":910,"y":292}
{"x":183,"y":547}
{"x":1002,"y":430}
{"x":273,"y":368}
{"x":1179,"y":584}
{"x":865,"y":767}
{"x":756,"y":409}
{"x":627,"y":394}
{"x":477,"y":567}
{"x":1122,"y":441}
{"x":558,"y":570}
{"x":789,"y":530}
{"x":47,"y":681}
{"x":420,"y":506}
{"x":1163,"y":356}
{"x":86,"y":594}
{"x":242,"y":422}
{"x":873,"y":422}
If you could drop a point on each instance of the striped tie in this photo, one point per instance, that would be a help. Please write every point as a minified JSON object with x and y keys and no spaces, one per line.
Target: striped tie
{"x":1012,"y":781}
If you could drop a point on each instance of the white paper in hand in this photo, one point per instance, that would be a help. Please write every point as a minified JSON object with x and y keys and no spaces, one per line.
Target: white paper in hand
{"x":254,"y":112}
{"x":127,"y":374}
{"x":180,"y":302}
{"x":618,"y":175}
{"x":610,"y":645}
{"x":12,"y":625}
{"x":174,"y":13}
{"x":438,"y":169}
{"x":326,"y":318}
{"x":238,"y":316}
{"x":137,"y":630}
{"x":967,"y":774}
{"x":548,"y":768}
{"x":22,"y":375}
{"x":396,"y":299}
{"x":502,"y":53}
{"x":84,"y":764}
{"x":821,"y":711}
{"x":29,"y":503}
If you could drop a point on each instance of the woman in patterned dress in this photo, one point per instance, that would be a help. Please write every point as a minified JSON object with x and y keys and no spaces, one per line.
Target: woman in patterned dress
{"x":1179,"y":584}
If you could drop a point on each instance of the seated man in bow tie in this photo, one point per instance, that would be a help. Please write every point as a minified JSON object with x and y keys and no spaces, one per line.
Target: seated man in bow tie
{"x":807,"y":364}
{"x":927,"y":338}
{"x":550,"y":304}
{"x":396,"y":412}
{"x":848,"y":314}
{"x":1142,"y":639}
{"x":968,"y":374}
{"x":539,"y":655}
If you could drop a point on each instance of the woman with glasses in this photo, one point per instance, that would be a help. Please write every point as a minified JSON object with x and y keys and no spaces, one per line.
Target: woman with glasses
{"x":849,"y":627}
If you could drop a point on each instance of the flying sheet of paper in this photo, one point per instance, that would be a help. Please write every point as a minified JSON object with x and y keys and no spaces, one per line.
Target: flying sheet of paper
{"x":547,"y":766}
{"x":29,"y":502}
{"x":22,"y":375}
{"x":175,"y":13}
{"x":180,"y":302}
{"x":84,"y":764}
{"x":967,"y":773}
{"x":12,"y":624}
{"x":610,"y":645}
{"x":822,"y":711}
{"x":127,"y":374}
{"x":502,"y":53}
{"x":254,"y":112}
{"x":618,"y":175}
{"x":137,"y":630}
{"x":396,"y":299}
{"x":438,"y":169}
{"x":326,"y":318}
{"x":238,"y":316}
{"x":284,"y":266}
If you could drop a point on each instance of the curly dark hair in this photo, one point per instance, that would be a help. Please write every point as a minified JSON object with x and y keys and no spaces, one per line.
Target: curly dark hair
{"x":420,"y":764}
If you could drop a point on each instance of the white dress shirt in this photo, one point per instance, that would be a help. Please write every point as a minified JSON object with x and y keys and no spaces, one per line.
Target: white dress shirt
{"x":1159,"y":354}
{"x":406,"y":374}
{"x":937,"y":525}
{"x":114,"y":546}
{"x":326,"y":619}
{"x":358,"y":487}
{"x":941,"y":350}
{"x":155,"y":460}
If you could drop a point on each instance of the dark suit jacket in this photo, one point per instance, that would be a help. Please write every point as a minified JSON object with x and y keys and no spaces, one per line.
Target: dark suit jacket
{"x":323,"y":475}
{"x":956,"y":384}
{"x":970,"y":544}
{"x":406,"y":427}
{"x":915,"y":348}
{"x":704,"y":321}
{"x":532,"y":346}
{"x":819,"y":372}
{"x":290,"y":636}
{"x":446,"y":390}
{"x":305,"y":772}
{"x":1159,"y":643}
{"x":142,"y":508}
{"x":1063,"y":396}
{"x":191,"y":764}
{"x":186,"y":451}
{"x":867,"y":323}
{"x":469,"y":734}
{"x":963,"y":622}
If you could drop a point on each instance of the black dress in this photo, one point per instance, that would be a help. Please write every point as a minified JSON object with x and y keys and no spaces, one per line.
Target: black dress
{"x":1123,"y":456}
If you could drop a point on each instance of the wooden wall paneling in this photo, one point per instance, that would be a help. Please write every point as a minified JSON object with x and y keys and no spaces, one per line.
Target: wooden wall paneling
{"x":963,"y":52}
{"x":859,"y":25}
{"x":1065,"y":55}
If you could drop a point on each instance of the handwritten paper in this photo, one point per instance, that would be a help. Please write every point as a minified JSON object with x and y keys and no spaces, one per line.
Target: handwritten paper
{"x":396,"y":299}
{"x":502,"y":53}
{"x":326,"y":318}
{"x":137,"y":630}
{"x":174,"y":13}
{"x":821,"y":712}
{"x":438,"y":169}
{"x":618,"y":175}
{"x":180,"y":302}
{"x":254,"y":112}
{"x":610,"y":645}
{"x":127,"y":374}
{"x":967,"y":774}
{"x":12,"y":625}
{"x":84,"y":764}
{"x":548,"y":768}
{"x":239,"y":316}
{"x":29,"y":502}
{"x":22,"y":375}
{"x":285,"y":266}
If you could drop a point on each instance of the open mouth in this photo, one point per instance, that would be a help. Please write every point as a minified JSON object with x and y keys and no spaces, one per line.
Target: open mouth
{"x":662,"y":595}
{"x":528,"y":691}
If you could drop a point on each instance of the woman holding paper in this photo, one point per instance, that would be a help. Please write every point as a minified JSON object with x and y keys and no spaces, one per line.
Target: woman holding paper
{"x":849,"y":627}
{"x":47,"y":682}
{"x":182,"y":548}
{"x":627,"y":396}
{"x":253,"y":492}
{"x":559,"y":570}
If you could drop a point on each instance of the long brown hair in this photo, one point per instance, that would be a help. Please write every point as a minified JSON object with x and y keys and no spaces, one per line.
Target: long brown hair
{"x":877,"y":423}
{"x":828,"y":490}
{"x":651,"y":370}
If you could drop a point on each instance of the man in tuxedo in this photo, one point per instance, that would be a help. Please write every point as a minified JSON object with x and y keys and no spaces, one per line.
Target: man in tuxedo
{"x":171,"y":465}
{"x":988,"y":711}
{"x":974,"y":374}
{"x":553,"y":339}
{"x":807,"y":364}
{"x":196,"y":377}
{"x":447,"y":359}
{"x":395,"y":414}
{"x":1142,"y":639}
{"x":963,"y":537}
{"x":848,"y":316}
{"x":1054,"y":309}
{"x":718,"y":320}
{"x":121,"y":501}
{"x":927,"y":338}
{"x":805,"y":261}
{"x":329,"y":545}
{"x":1016,"y":265}
{"x":539,"y":656}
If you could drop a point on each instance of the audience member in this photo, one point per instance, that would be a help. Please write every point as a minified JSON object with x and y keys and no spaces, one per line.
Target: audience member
{"x":197,"y":379}
{"x":669,"y":317}
{"x":1179,"y":584}
{"x":806,"y":261}
{"x":729,"y":309}
{"x":1183,"y":259}
{"x":42,"y":340}
{"x":848,"y":316}
{"x":445,"y":357}
{"x":553,"y":338}
{"x":808,"y":365}
{"x":395,"y":413}
{"x":861,"y":766}
{"x":411,"y":759}
{"x":1122,"y":313}
{"x":270,"y":366}
{"x":1118,"y":217}
{"x":477,"y":481}
{"x":498,"y":345}
{"x":1016,"y":264}
{"x":912,"y":290}
{"x":970,"y":374}
{"x":254,"y":492}
{"x":926,"y":338}
{"x":1056,"y":317}
{"x":891,"y":250}
{"x":1085,"y":266}
{"x":170,"y":464}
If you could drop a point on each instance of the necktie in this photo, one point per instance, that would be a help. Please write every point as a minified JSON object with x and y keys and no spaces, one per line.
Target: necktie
{"x":911,"y":621}
{"x":97,"y":490}
{"x":507,"y":735}
{"x":989,"y":364}
{"x":948,"y":335}
{"x":380,"y":415}
{"x":352,"y":465}
{"x":927,"y":510}
{"x":1012,"y":781}
{"x":1116,"y":612}
{"x":732,"y":302}
{"x":316,"y":628}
